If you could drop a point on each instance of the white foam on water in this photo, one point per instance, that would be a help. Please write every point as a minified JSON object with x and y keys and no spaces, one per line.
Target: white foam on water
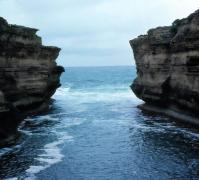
{"x":52,"y":155}
{"x":188,"y":133}
{"x":83,"y":96}
{"x":36,"y":120}
{"x":51,"y":152}
{"x":4,"y":151}
{"x":28,"y":133}
{"x":41,"y":118}
{"x":70,"y":123}
{"x":61,"y":91}
{"x":174,"y":129}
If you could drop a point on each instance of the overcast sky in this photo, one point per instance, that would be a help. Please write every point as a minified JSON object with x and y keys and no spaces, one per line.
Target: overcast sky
{"x":94,"y":32}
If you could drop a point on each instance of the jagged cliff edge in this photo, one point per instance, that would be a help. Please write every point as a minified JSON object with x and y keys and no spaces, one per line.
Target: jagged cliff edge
{"x":29,"y":75}
{"x":167,"y":61}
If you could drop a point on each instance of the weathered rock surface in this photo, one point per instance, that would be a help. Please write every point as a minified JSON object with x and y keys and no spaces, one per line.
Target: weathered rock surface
{"x":29,"y":74}
{"x":167,"y":61}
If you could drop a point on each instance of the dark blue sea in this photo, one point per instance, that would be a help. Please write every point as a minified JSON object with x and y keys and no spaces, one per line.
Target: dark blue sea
{"x":95,"y":131}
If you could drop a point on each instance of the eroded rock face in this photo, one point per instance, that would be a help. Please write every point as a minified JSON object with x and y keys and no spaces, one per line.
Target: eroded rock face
{"x":29,"y":74}
{"x":167,"y":61}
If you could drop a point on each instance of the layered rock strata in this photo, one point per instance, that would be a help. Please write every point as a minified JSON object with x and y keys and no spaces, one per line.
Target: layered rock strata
{"x":29,"y":74}
{"x":167,"y":61}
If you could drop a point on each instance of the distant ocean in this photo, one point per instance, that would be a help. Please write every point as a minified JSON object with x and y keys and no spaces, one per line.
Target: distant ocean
{"x":94,"y":131}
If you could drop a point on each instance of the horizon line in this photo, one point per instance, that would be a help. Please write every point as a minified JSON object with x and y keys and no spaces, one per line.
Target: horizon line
{"x":98,"y":66}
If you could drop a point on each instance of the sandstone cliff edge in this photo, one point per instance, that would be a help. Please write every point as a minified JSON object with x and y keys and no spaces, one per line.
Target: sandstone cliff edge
{"x":167,"y":61}
{"x":29,"y":74}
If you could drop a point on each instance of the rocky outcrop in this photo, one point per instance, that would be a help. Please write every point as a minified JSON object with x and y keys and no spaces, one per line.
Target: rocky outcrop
{"x":167,"y":61}
{"x":29,"y":74}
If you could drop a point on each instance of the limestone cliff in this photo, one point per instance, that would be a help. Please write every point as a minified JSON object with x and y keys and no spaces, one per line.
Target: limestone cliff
{"x":167,"y":61}
{"x":29,"y":74}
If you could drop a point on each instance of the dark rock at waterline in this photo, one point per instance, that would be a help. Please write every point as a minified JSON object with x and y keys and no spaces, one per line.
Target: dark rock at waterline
{"x":29,"y":75}
{"x":167,"y":61}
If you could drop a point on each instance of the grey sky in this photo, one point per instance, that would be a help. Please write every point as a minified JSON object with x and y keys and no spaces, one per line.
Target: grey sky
{"x":94,"y":32}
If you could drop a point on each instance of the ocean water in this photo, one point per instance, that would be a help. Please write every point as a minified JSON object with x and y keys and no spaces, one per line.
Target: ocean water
{"x":94,"y":131}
